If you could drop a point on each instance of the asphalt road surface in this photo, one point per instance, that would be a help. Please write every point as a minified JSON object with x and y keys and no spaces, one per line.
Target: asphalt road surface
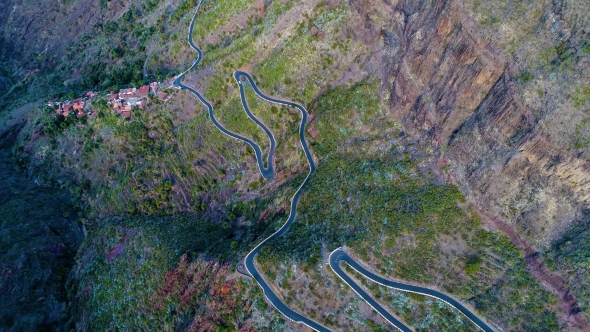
{"x":268,"y":172}
{"x":340,"y":255}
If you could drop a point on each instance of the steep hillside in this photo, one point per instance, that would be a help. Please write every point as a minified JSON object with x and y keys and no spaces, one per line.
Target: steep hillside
{"x":63,"y":48}
{"x":39,"y":237}
{"x":451,"y":140}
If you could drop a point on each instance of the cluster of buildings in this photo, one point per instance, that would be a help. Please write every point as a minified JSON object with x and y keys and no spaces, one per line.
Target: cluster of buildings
{"x":121,"y":102}
{"x":125,"y":99}
{"x":77,"y":107}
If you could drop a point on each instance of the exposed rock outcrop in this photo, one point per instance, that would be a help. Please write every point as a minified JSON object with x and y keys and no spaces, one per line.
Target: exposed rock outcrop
{"x":455,"y":88}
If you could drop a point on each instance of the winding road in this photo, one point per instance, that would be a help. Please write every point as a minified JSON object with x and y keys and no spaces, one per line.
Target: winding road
{"x":340,"y":255}
{"x":268,"y":173}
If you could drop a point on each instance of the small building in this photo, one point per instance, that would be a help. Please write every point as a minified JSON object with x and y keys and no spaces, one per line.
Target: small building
{"x":66,"y":109}
{"x":163,"y":96}
{"x":126,"y":93}
{"x":154,"y":88}
{"x":78,"y":105}
{"x":125,"y":108}
{"x":143,"y":91}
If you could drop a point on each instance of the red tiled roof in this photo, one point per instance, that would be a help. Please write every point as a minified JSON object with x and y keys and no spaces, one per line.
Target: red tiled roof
{"x":162,"y":95}
{"x":143,"y":91}
{"x":78,"y":105}
{"x":67,"y":108}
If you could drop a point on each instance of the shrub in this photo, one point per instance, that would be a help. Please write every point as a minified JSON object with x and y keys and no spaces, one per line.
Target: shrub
{"x":473,"y":264}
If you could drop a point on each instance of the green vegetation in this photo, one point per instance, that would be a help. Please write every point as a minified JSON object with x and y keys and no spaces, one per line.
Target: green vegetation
{"x":473,"y":265}
{"x":54,"y":124}
{"x":183,"y":9}
{"x":524,"y":78}
{"x":581,"y":95}
{"x":582,"y":137}
{"x":375,"y":327}
{"x":145,"y":164}
{"x":215,"y":14}
{"x":344,"y":110}
{"x":178,"y":184}
{"x":39,"y":237}
{"x":421,"y":312}
{"x":382,"y":205}
{"x":304,"y":58}
{"x":154,"y":290}
{"x":570,"y":254}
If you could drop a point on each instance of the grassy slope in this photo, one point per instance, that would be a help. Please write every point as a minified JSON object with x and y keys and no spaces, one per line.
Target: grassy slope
{"x":157,"y":292}
{"x":384,"y":206}
{"x":570,"y":254}
{"x":368,"y":192}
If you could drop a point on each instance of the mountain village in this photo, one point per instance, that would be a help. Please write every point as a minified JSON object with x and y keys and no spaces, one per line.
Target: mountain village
{"x":121,"y":102}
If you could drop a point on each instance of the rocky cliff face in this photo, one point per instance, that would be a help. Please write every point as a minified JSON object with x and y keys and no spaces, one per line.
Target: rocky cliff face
{"x":498,"y":98}
{"x":495,"y":93}
{"x":457,"y":89}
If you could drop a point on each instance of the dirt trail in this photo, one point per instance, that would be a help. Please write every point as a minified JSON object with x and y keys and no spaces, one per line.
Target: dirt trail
{"x":569,"y":309}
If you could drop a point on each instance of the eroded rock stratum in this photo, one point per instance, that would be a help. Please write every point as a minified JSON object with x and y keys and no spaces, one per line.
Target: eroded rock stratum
{"x":414,"y":106}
